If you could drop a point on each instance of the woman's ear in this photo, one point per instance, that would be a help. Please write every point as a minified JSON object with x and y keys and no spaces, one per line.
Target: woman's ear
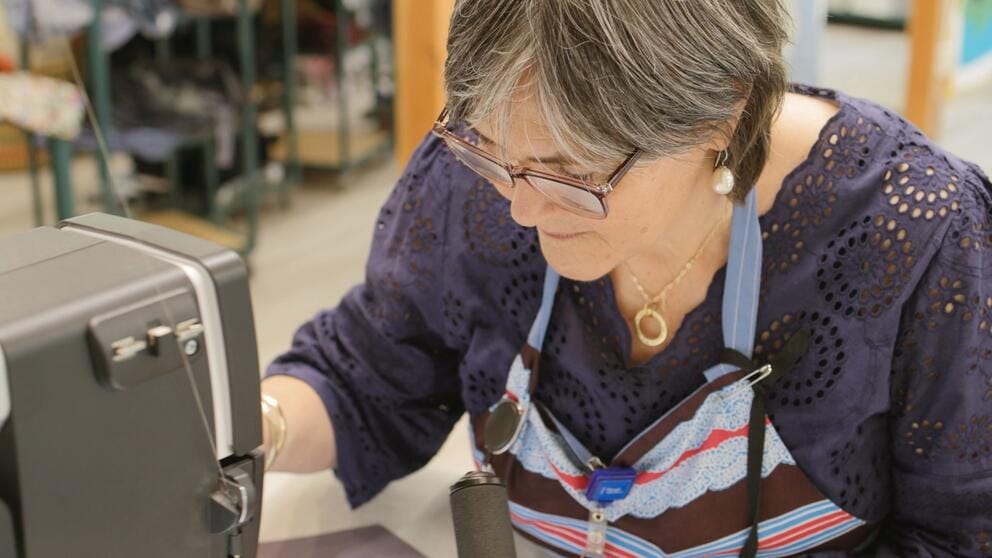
{"x":724,"y":132}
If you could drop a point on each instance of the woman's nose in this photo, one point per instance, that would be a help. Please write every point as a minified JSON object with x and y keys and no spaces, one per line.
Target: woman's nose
{"x":527,"y":204}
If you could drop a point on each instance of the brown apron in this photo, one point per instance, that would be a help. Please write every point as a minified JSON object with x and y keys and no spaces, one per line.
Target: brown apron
{"x":709,"y":478}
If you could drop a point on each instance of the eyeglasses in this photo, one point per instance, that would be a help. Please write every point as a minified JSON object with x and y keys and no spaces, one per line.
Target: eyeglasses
{"x":572,"y":194}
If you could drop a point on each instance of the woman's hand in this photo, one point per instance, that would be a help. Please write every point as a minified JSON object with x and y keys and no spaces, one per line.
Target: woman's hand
{"x":309,"y":437}
{"x":266,"y":436}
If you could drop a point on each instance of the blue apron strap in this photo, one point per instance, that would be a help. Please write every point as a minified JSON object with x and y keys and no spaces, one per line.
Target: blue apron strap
{"x":518,"y":380}
{"x":540,"y":326}
{"x":742,"y":282}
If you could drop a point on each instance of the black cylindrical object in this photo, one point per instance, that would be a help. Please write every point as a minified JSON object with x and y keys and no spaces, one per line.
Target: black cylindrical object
{"x":481,"y":516}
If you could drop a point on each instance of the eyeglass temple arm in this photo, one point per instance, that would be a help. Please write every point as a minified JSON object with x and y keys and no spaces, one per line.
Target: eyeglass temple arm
{"x":625,"y":167}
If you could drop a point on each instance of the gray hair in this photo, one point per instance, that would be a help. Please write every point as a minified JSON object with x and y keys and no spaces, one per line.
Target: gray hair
{"x":609,"y":76}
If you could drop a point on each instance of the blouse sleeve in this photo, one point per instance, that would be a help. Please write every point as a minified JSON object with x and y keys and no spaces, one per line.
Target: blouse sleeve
{"x":379,"y":360}
{"x":941,"y":414}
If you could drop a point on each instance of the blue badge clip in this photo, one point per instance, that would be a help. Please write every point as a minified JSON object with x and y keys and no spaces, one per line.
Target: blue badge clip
{"x":611,"y":484}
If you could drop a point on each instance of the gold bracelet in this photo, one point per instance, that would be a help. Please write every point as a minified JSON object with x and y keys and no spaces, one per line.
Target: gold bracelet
{"x":278,"y":428}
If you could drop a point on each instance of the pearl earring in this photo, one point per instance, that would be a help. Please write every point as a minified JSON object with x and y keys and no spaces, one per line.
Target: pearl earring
{"x":723,"y":178}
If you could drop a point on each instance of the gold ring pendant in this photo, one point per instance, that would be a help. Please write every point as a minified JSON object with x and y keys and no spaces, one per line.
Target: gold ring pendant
{"x":650,"y":341}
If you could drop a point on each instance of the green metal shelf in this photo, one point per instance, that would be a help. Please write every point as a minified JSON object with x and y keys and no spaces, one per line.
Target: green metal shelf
{"x":851,"y":18}
{"x":99,"y":92}
{"x":99,"y":87}
{"x":347,"y":156}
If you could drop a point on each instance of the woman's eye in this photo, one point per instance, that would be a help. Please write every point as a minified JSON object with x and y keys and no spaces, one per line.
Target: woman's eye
{"x":588,"y":177}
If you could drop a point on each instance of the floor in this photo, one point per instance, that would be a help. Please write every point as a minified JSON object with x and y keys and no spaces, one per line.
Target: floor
{"x":311,"y":253}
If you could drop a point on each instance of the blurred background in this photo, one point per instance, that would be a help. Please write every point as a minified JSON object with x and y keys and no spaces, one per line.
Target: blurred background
{"x":278,"y":127}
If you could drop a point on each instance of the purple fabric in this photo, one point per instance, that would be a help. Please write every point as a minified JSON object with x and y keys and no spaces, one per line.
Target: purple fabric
{"x":876,"y":242}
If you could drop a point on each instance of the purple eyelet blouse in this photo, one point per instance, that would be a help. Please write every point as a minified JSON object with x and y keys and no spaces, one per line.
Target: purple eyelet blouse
{"x":876,"y":242}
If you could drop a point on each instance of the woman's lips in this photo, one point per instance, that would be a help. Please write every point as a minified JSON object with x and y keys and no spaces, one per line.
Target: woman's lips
{"x":562,"y":236}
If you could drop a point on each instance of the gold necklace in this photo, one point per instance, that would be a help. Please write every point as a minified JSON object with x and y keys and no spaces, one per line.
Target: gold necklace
{"x":647,"y":311}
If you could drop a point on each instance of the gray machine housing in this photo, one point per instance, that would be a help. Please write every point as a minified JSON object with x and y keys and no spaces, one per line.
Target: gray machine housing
{"x":109,"y":445}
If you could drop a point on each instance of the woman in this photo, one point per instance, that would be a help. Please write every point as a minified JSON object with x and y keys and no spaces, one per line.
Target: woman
{"x":593,"y":192}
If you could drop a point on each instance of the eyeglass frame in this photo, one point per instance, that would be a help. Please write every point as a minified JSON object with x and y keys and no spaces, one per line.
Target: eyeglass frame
{"x":600,"y":191}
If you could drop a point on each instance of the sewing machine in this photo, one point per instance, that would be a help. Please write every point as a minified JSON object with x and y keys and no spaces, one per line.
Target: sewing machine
{"x":129,"y":395}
